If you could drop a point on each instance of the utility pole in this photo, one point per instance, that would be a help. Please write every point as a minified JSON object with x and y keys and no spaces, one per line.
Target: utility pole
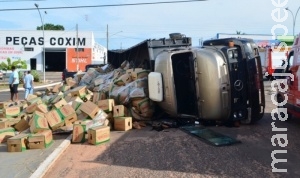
{"x":106,"y":44}
{"x":42,"y":20}
{"x":294,"y":18}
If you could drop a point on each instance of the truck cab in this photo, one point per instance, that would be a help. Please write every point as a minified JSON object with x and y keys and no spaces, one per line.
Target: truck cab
{"x":220,"y":81}
{"x":290,"y":80}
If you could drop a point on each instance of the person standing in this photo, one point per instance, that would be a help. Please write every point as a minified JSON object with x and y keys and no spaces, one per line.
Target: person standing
{"x":13,"y":84}
{"x":28,"y":84}
{"x":25,"y":73}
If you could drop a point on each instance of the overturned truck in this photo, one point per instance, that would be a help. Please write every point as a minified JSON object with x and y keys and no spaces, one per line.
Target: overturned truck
{"x":222,"y":80}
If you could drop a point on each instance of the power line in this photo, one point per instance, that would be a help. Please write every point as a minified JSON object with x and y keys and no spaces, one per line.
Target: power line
{"x":107,"y":5}
{"x":19,"y":0}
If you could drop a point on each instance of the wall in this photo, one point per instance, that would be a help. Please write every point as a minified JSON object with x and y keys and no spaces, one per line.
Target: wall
{"x":14,"y":43}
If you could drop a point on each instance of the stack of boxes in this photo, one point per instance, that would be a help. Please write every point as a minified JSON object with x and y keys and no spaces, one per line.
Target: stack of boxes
{"x":90,"y":105}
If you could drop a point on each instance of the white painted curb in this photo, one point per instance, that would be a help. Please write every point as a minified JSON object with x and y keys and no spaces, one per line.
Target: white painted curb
{"x":44,"y":166}
{"x":36,"y":87}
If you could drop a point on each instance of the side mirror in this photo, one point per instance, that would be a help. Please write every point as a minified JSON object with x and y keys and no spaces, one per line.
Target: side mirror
{"x":155,"y":85}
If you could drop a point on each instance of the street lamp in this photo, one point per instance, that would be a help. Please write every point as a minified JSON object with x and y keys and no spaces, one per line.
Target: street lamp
{"x":294,"y":18}
{"x":107,"y":36}
{"x":44,"y":71}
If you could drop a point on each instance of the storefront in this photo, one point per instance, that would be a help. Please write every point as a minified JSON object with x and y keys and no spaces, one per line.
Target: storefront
{"x":62,"y":49}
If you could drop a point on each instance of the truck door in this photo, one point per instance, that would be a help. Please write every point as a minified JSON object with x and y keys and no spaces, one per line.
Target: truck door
{"x":184,"y":81}
{"x":255,"y":88}
{"x":292,"y":85}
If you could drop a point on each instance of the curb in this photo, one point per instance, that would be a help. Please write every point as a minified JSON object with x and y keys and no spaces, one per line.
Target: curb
{"x":50,"y":160}
{"x":37,"y":87}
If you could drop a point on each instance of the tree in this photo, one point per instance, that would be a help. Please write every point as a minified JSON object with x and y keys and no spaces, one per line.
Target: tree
{"x":21,"y":64}
{"x":49,"y":26}
{"x":240,"y":33}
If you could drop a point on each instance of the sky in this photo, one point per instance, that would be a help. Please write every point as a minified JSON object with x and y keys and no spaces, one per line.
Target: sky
{"x":130,"y":25}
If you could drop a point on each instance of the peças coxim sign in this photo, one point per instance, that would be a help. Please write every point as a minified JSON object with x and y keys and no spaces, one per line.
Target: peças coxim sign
{"x":53,"y":41}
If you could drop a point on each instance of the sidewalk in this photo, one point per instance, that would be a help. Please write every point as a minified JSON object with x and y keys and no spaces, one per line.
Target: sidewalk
{"x":32,"y":163}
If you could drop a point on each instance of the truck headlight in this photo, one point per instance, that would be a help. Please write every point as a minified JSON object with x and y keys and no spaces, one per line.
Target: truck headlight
{"x":235,"y":54}
{"x":240,"y":114}
{"x":230,"y":54}
{"x":235,"y":115}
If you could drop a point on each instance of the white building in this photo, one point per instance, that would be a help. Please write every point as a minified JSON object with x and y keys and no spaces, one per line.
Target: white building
{"x":61,"y":49}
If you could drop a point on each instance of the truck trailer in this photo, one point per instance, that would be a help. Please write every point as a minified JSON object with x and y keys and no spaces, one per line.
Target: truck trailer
{"x":222,"y":80}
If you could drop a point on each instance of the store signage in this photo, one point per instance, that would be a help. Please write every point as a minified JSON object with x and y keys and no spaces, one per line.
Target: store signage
{"x":53,"y":41}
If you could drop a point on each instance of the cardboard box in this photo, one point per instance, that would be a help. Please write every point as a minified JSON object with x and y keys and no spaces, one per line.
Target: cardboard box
{"x":76,"y":104}
{"x":98,"y":135}
{"x":70,"y":81}
{"x":79,"y":76}
{"x":120,"y":111}
{"x":87,"y":97}
{"x":83,"y":116}
{"x":57,"y":97}
{"x":106,"y":105}
{"x":142,"y":105}
{"x":123,"y":80}
{"x":24,"y":105}
{"x":4,"y":104}
{"x":38,"y":113}
{"x":10,"y":112}
{"x":60,"y":103}
{"x":42,"y":108}
{"x":40,"y":140}
{"x":31,"y":96}
{"x":65,"y":88}
{"x":38,"y":93}
{"x":38,"y":122}
{"x":99,"y":96}
{"x":89,"y":108}
{"x":71,"y":99}
{"x":110,"y":118}
{"x":129,"y":71}
{"x":22,"y":125}
{"x":78,"y":134}
{"x":49,"y":89}
{"x":122,"y":123}
{"x":31,"y":108}
{"x":139,"y":74}
{"x":56,"y":88}
{"x":8,"y":123}
{"x":17,"y":143}
{"x":99,"y":81}
{"x":37,"y":100}
{"x":6,"y":134}
{"x":4,"y":119}
{"x":54,"y":119}
{"x":68,"y":114}
{"x":79,"y":91}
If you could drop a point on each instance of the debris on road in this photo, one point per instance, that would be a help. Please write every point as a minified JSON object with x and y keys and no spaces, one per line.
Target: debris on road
{"x":90,"y":104}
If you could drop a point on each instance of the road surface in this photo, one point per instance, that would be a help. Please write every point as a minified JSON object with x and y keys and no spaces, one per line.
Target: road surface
{"x":173,"y":153}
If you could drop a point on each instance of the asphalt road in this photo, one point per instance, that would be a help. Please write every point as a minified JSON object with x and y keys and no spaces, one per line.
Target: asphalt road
{"x":5,"y":95}
{"x":173,"y":153}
